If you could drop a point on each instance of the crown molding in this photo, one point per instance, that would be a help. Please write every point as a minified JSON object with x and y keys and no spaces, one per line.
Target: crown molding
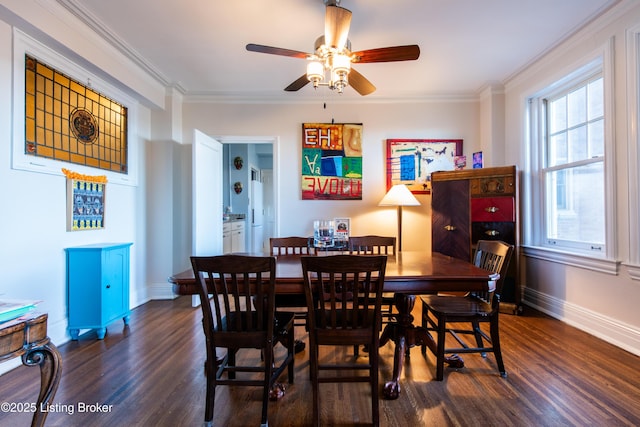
{"x":76,"y":8}
{"x":277,"y":98}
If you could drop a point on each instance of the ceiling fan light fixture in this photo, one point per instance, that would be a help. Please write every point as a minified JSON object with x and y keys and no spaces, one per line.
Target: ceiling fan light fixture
{"x":338,"y":82}
{"x":315,"y":72}
{"x":340,"y":63}
{"x":330,"y":63}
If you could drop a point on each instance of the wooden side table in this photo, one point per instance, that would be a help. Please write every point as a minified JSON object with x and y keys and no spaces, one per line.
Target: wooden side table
{"x":27,"y":337}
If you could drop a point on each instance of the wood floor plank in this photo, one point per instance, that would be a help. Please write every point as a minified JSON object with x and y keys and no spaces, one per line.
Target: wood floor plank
{"x":151,"y":374}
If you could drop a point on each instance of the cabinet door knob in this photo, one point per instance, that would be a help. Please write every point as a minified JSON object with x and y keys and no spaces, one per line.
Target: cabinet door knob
{"x":492,"y":232}
{"x":492,"y":209}
{"x":108,"y":286}
{"x":449,"y":227}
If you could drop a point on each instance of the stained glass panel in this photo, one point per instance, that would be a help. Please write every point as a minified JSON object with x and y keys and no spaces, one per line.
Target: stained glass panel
{"x":68,"y":121}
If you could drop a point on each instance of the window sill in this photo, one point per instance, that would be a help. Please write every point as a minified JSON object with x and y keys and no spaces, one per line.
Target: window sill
{"x":582,"y":261}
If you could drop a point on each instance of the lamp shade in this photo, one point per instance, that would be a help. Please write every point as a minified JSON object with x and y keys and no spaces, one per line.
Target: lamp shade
{"x":315,"y":71}
{"x":399,"y":195}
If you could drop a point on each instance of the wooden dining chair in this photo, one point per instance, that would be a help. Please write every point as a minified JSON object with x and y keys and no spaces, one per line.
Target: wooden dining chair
{"x":473,"y":309}
{"x":241,"y":315}
{"x":379,"y":245}
{"x":292,"y":247}
{"x":376,"y":245}
{"x":343,"y":293}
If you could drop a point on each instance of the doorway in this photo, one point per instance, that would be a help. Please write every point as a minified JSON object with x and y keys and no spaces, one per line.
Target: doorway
{"x":260,"y":157}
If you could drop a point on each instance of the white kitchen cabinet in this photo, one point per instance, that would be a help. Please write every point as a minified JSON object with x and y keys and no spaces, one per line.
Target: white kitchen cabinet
{"x":233,"y":237}
{"x":226,"y":238}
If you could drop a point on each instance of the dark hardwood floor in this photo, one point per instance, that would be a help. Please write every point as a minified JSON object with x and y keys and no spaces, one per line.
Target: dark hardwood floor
{"x":151,"y":374}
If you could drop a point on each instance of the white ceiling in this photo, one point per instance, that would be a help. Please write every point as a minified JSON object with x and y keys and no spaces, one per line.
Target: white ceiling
{"x":198,"y":46}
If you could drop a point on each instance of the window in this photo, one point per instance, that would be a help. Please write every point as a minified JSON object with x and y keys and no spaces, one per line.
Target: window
{"x":57,"y":149}
{"x":569,"y":145}
{"x":573,"y":169}
{"x":68,"y":121}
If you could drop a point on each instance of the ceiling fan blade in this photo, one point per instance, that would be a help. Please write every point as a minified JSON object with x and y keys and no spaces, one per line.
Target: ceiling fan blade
{"x":388,"y":54}
{"x":360,"y":83}
{"x":276,"y":51}
{"x":298,"y":84}
{"x":336,"y":26}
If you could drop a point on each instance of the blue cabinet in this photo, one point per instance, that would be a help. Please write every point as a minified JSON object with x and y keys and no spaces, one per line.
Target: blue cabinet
{"x":97,"y":286}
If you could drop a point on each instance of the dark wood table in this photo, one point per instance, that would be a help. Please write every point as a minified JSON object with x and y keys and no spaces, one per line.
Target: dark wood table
{"x":27,"y":337}
{"x":408,"y":273}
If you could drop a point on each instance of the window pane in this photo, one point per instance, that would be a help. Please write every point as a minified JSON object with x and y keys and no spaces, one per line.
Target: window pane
{"x":595,"y":94}
{"x":558,"y":115}
{"x":558,"y":149}
{"x":596,"y":138}
{"x":578,"y":144}
{"x":575,"y":201}
{"x":577,"y":107}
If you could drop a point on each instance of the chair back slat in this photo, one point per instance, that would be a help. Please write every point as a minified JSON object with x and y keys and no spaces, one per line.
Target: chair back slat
{"x":374,"y":245}
{"x":218,"y":308}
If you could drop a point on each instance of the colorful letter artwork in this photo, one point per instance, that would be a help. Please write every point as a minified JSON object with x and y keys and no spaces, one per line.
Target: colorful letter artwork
{"x":331,"y":161}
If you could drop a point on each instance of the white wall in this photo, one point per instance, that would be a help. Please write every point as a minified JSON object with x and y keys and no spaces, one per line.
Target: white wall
{"x":603,"y":304}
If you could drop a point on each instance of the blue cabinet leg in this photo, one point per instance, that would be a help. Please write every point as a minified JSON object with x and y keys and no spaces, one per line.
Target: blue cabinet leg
{"x":74,"y":334}
{"x":101,"y":332}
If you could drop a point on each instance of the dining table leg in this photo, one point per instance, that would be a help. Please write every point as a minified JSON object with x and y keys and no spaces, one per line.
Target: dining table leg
{"x":405,"y":335}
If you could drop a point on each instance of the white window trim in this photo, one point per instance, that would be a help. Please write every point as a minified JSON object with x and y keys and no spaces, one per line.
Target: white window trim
{"x":633,"y":158}
{"x":23,"y":44}
{"x":535,"y":244}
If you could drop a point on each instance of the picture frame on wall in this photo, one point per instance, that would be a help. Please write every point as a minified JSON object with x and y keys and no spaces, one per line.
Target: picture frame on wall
{"x":331,"y":161}
{"x":477,"y":160}
{"x":86,"y":200}
{"x":411,"y":161}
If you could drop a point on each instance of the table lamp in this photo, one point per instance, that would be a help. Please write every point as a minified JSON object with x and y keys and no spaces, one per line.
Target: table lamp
{"x":399,"y":195}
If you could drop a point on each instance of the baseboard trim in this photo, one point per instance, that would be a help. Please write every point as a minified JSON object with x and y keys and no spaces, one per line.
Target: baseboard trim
{"x":610,"y":330}
{"x":161,"y":291}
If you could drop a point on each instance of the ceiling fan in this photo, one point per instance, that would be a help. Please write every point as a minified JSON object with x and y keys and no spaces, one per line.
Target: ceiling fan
{"x":333,"y":57}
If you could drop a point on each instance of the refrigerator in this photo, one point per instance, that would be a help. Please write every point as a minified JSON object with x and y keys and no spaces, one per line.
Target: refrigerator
{"x":257,"y":217}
